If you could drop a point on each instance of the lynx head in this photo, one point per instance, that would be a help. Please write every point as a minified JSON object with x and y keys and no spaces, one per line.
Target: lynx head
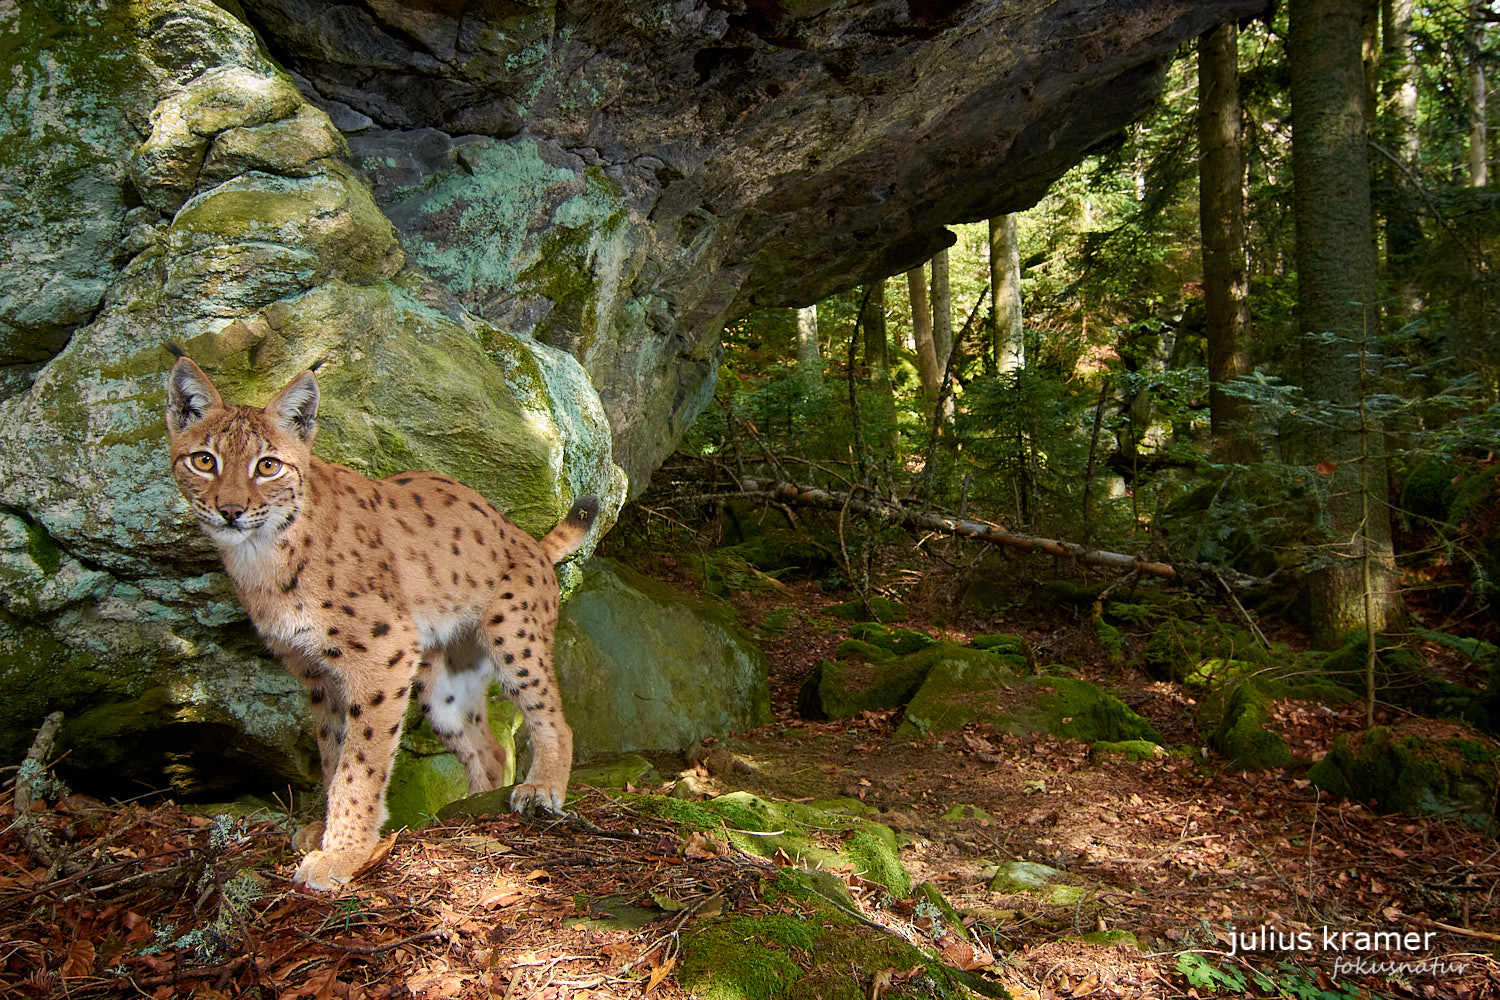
{"x":241,"y":469}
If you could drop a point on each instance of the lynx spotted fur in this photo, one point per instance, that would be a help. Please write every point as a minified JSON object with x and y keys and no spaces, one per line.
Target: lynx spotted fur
{"x":373,"y":592}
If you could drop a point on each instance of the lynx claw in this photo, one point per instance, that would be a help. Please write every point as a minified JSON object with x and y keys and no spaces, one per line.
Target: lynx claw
{"x":531,"y":799}
{"x":322,"y":870}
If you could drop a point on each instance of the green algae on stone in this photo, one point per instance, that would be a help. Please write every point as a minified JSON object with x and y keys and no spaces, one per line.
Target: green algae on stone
{"x":964,"y":685}
{"x":1243,"y":734}
{"x":1003,"y":644}
{"x":898,"y":641}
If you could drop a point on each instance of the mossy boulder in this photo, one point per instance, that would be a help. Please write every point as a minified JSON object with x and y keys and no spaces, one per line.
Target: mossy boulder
{"x":812,"y":837}
{"x":872,"y":678}
{"x":1244,"y":735}
{"x":964,"y":685}
{"x":427,"y":777}
{"x":805,"y":951}
{"x":785,"y":553}
{"x":1239,"y":714}
{"x":179,"y":187}
{"x":896,"y":641}
{"x":1416,"y":768}
{"x":1130,"y":749}
{"x":1011,"y":645}
{"x":1406,"y":678}
{"x":643,"y":666}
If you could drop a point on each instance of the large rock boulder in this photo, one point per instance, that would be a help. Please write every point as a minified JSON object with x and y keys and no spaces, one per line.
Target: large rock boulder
{"x":253,"y":244}
{"x":642,"y":666}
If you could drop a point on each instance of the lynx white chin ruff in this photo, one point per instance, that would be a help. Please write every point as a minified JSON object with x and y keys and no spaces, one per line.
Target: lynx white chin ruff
{"x":373,"y":592}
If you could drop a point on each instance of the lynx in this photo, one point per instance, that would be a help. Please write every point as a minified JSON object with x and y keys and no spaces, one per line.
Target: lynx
{"x":373,"y":592}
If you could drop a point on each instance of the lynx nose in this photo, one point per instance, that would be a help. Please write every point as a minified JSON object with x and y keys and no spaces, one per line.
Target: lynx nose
{"x":231,"y":512}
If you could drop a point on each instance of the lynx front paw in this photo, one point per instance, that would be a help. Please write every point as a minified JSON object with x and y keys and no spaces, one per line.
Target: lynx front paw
{"x":531,"y":797}
{"x":309,"y":838}
{"x":323,"y":870}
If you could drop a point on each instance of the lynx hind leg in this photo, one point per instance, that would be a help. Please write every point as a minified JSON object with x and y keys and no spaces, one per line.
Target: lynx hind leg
{"x":456,"y":703}
{"x":520,"y":646}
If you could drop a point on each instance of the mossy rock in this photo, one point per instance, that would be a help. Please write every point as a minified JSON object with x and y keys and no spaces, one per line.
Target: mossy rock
{"x":805,"y":951}
{"x":1405,"y":676}
{"x":1415,"y":768}
{"x":864,"y":652}
{"x":810,"y":836}
{"x":1112,"y":939}
{"x":784,"y":553}
{"x":965,"y":685}
{"x":1242,"y":735}
{"x":1045,"y":884}
{"x":898,"y":641}
{"x":426,"y":777}
{"x":964,"y":811}
{"x":622,"y":772}
{"x":837,"y":689}
{"x":1012,"y":645}
{"x":645,"y":666}
{"x":1178,"y":646}
{"x":1239,"y":714}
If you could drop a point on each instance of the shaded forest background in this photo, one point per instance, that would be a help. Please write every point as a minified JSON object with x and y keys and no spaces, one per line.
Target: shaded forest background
{"x":1149,"y":384}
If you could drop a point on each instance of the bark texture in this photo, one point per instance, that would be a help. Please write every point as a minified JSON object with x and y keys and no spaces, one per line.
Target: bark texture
{"x":1338,"y":318}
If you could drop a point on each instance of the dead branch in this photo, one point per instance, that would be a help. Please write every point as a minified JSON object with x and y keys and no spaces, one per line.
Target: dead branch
{"x":984,"y":531}
{"x":32,"y":773}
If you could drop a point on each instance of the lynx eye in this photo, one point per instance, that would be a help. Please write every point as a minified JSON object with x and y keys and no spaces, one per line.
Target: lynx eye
{"x":268,"y":466}
{"x":203,"y":461}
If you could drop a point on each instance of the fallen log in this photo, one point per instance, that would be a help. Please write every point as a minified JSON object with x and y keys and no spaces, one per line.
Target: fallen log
{"x":984,"y":531}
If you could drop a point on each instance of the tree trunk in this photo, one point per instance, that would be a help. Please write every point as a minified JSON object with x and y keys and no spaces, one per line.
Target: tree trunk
{"x":1337,"y":318}
{"x":1009,"y":344}
{"x":877,"y":363}
{"x":1479,"y":132}
{"x":921,"y":331}
{"x":942,"y":310}
{"x":1400,"y":213}
{"x":877,"y":357}
{"x":1221,"y":212}
{"x":809,"y":356}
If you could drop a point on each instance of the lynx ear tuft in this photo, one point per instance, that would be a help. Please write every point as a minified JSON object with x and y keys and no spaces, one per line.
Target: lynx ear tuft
{"x":190,"y":395}
{"x":296,"y":407}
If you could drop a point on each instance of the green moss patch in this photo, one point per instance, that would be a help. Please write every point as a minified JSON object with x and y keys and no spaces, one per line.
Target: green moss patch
{"x":1240,"y":717}
{"x":896,"y":641}
{"x":1415,"y":768}
{"x":812,"y":837}
{"x":966,"y":685}
{"x":837,"y":689}
{"x":807,"y":951}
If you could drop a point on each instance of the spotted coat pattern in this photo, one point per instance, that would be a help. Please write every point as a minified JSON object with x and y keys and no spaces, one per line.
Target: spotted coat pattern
{"x":375,"y":592}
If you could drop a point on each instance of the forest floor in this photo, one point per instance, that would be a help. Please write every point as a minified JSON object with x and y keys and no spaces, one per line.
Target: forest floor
{"x":160,"y":901}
